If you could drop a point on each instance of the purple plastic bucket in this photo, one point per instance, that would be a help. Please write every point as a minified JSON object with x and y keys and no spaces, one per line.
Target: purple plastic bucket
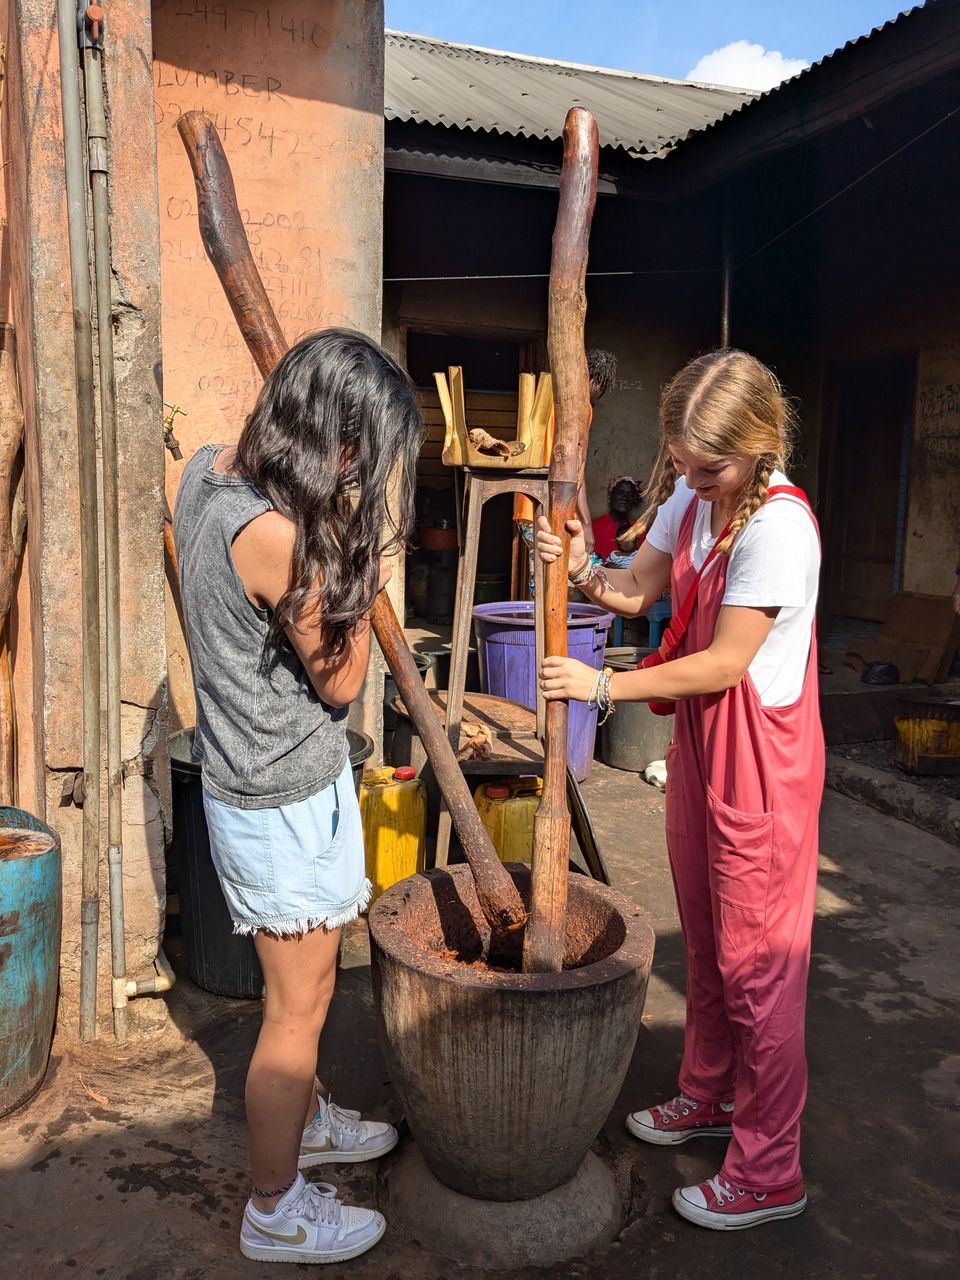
{"x":506,"y":642}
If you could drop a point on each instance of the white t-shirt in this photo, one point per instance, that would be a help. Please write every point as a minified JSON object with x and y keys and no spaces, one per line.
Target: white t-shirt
{"x":775,"y":563}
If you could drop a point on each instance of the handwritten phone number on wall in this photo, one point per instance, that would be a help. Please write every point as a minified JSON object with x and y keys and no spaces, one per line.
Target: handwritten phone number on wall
{"x":178,"y":207}
{"x":939,"y":402}
{"x":223,"y":335}
{"x":290,"y":277}
{"x":245,"y":131}
{"x":256,"y":22}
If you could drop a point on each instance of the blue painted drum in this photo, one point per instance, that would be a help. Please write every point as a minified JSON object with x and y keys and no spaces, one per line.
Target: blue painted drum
{"x":30,"y":915}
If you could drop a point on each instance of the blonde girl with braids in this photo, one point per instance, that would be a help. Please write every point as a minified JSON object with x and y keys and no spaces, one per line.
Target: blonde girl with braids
{"x":733,"y":537}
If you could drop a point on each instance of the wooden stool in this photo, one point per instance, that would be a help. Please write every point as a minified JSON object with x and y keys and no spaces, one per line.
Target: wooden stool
{"x":480,"y":485}
{"x":516,"y":750}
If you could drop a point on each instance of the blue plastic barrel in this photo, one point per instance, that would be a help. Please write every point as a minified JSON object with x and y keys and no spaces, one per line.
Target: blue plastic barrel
{"x":506,"y":640}
{"x":30,"y":917}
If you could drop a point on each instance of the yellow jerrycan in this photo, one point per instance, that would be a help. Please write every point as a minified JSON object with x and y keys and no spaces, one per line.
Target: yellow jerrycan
{"x":507,"y":809}
{"x":393,"y":806}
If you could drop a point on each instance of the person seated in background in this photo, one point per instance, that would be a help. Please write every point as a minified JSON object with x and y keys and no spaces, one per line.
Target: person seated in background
{"x":623,"y":494}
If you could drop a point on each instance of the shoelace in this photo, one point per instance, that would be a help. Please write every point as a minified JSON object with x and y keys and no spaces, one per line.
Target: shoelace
{"x":725,"y":1190}
{"x":676,"y":1107}
{"x":348,"y":1121}
{"x":317,"y":1202}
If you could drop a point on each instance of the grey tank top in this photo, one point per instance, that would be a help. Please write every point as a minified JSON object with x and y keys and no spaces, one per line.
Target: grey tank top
{"x":263,"y":736}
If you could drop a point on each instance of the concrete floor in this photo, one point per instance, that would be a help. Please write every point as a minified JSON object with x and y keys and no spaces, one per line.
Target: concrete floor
{"x":140,"y":1174}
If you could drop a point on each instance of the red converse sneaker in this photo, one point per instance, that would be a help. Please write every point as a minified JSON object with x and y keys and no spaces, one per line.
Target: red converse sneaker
{"x":679,"y":1119}
{"x":720,"y":1205}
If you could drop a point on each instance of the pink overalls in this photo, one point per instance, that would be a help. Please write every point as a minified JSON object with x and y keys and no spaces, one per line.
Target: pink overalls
{"x":743,"y":797}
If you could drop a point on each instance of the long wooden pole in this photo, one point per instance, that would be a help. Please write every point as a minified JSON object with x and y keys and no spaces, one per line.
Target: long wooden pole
{"x":543,"y":944}
{"x":226,"y":244}
{"x":12,"y":525}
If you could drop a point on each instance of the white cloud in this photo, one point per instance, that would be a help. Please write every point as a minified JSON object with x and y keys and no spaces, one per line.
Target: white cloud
{"x":746,"y":66}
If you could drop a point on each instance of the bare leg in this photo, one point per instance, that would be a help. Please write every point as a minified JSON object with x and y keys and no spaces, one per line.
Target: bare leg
{"x":313,"y":1106}
{"x":299,"y":976}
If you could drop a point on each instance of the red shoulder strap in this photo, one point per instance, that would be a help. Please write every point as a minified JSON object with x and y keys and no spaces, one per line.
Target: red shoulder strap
{"x":681,"y":619}
{"x":792,"y":491}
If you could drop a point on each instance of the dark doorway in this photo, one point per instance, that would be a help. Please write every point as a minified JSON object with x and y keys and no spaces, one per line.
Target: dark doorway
{"x":491,"y":363}
{"x":868,"y":430}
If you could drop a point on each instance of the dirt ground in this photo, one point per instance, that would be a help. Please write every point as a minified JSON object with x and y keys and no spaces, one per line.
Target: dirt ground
{"x":141,"y":1174}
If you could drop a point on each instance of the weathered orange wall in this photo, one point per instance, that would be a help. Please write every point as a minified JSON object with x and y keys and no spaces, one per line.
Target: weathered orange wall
{"x":27,"y":676}
{"x":295,"y":89}
{"x":21,"y":661}
{"x":47,"y":634}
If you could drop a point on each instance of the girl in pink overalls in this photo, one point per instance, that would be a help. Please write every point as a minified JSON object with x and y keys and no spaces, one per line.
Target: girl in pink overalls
{"x":745,"y":772}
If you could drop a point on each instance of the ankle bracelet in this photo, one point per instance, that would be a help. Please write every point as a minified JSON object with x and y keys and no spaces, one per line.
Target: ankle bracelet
{"x":268,"y":1195}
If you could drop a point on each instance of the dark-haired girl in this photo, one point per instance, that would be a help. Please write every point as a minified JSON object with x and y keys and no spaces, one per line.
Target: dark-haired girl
{"x":282,"y":550}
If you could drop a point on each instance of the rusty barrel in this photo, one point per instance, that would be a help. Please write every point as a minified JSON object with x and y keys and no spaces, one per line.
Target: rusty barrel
{"x":928,"y":735}
{"x":30,"y":909}
{"x":506,"y":1078}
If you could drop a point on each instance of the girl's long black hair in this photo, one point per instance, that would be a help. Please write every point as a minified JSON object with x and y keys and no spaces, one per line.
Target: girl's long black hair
{"x":333,"y":442}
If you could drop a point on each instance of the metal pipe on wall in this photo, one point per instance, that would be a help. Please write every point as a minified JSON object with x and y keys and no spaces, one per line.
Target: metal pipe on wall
{"x":89,"y":551}
{"x":164,"y":980}
{"x":91,"y":35}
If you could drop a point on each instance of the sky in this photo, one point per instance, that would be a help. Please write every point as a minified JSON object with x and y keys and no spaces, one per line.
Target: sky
{"x":753,"y":44}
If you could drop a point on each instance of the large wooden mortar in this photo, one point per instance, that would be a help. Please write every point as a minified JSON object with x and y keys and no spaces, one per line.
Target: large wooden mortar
{"x":506,"y":1078}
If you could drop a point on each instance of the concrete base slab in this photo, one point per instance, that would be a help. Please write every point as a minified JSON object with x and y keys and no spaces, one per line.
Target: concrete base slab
{"x":896,"y":796}
{"x":568,"y":1222}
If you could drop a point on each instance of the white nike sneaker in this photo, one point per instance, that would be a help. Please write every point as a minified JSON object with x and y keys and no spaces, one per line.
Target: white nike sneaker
{"x":309,"y":1225}
{"x":338,"y":1136}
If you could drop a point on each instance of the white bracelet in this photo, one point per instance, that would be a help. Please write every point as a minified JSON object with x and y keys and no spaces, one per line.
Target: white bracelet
{"x":595,"y":691}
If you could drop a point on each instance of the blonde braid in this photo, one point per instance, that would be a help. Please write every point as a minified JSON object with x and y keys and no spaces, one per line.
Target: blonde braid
{"x":753,"y":498}
{"x":657,"y":493}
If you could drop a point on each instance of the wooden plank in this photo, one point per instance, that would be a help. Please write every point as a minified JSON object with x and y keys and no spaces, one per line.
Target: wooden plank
{"x":495,"y":412}
{"x":515,"y":747}
{"x":525,"y":399}
{"x":435,"y":432}
{"x":452,"y":445}
{"x":540,"y":420}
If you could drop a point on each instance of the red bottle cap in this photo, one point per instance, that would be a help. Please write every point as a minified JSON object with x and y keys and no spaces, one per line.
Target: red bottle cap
{"x":497,"y":793}
{"x":404,"y":774}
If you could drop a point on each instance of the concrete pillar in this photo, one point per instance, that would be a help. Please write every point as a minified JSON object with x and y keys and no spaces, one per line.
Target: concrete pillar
{"x":297,"y":97}
{"x":48,"y":641}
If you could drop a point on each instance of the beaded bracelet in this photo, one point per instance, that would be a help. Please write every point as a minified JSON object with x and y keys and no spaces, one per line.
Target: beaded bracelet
{"x":594,"y":570}
{"x":605,"y":703}
{"x":583,"y":575}
{"x":592,"y":701}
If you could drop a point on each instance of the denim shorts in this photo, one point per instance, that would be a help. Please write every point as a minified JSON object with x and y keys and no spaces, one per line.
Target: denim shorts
{"x":292,"y":868}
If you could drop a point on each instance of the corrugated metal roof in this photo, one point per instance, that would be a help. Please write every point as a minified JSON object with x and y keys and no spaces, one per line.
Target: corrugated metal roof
{"x":459,"y":86}
{"x":754,"y":101}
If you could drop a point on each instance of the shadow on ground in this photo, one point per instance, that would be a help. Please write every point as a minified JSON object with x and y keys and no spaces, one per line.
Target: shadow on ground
{"x":130,"y":1164}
